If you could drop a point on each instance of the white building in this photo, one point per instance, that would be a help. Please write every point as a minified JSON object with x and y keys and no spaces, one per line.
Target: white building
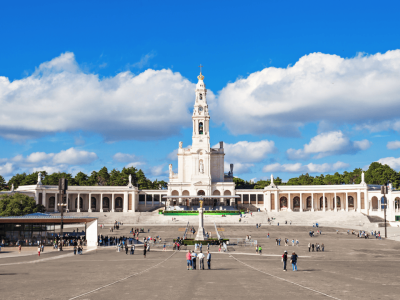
{"x":201,"y":172}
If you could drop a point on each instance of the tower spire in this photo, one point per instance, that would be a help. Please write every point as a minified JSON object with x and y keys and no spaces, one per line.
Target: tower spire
{"x":200,"y":77}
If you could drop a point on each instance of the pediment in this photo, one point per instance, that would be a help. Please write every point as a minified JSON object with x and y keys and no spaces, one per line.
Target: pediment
{"x":198,"y":183}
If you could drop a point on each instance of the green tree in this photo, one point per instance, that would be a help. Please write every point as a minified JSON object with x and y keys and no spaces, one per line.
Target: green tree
{"x":32,"y":179}
{"x":318,"y":180}
{"x":103,"y":178}
{"x":333,"y":179}
{"x":52,"y":179}
{"x":18,"y":205}
{"x":81,"y":179}
{"x":17,"y":180}
{"x":261,"y":184}
{"x":2,"y":183}
{"x":381,"y":174}
{"x":117,"y":178}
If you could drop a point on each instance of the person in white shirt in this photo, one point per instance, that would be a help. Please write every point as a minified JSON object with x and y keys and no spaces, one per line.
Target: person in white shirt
{"x":201,"y":260}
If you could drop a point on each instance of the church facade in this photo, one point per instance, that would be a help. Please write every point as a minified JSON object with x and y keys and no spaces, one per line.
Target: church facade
{"x":200,"y":172}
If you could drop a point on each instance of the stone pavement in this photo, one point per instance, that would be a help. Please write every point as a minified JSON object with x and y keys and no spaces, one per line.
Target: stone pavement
{"x":350,"y":268}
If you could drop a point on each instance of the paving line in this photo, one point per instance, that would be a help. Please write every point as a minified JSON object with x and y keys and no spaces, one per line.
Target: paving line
{"x":283,"y":279}
{"x":122,"y":279}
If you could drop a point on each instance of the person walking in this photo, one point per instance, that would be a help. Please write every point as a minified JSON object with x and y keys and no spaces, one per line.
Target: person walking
{"x":38,"y":249}
{"x":209,"y":260}
{"x":323,"y":248}
{"x":259,"y":249}
{"x":284,"y":260}
{"x":144,"y":250}
{"x":268,"y":235}
{"x":309,"y":247}
{"x":312,"y":246}
{"x":194,"y":256}
{"x":42,"y":248}
{"x":293,"y":260}
{"x":188,"y":260}
{"x":19,"y":248}
{"x":126,"y":249}
{"x":164,"y":249}
{"x":201,"y":260}
{"x":132,"y":249}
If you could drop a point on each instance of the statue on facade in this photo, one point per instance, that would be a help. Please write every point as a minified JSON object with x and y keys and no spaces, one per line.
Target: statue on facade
{"x":130,"y":179}
{"x":362,"y":177}
{"x":272,"y":179}
{"x":39,"y":178}
{"x":180,"y":145}
{"x":170,"y":170}
{"x":201,"y":169}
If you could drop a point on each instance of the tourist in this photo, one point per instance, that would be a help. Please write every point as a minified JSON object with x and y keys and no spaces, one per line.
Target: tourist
{"x":19,"y":248}
{"x":38,"y":249}
{"x":312,"y":246}
{"x":284,"y":260}
{"x":126,"y":249}
{"x":144,"y":250}
{"x":194,"y":256}
{"x":293,"y":260}
{"x":209,"y":260}
{"x":201,"y":260}
{"x":201,"y":247}
{"x":268,"y":235}
{"x":256,"y":225}
{"x":309,"y":247}
{"x":164,"y":249}
{"x":208,"y":246}
{"x":132,"y":249}
{"x":322,"y":247}
{"x":279,"y":241}
{"x":256,"y":248}
{"x":297,"y":243}
{"x":188,"y":259}
{"x":292,"y":242}
{"x":74,"y":250}
{"x":259,"y":249}
{"x":148,"y":247}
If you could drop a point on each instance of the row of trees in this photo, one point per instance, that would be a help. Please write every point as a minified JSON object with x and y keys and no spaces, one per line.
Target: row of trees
{"x":376,"y":174}
{"x":18,"y":205}
{"x":100,"y":178}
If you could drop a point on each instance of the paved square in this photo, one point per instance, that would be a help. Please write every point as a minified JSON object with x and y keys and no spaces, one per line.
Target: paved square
{"x":350,"y":268}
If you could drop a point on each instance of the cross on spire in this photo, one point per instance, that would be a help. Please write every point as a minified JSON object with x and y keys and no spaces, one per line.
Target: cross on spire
{"x":200,"y":68}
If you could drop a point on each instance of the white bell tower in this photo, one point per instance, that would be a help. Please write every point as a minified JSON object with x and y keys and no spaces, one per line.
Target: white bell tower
{"x":201,"y":118}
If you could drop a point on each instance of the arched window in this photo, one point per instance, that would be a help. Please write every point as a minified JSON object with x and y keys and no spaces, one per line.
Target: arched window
{"x":201,"y":96}
{"x":118,"y":202}
{"x":201,"y":193}
{"x":52,"y":202}
{"x":201,"y":128}
{"x":374,"y":202}
{"x":351,"y":201}
{"x":283,"y":202}
{"x":309,"y":202}
{"x":93,"y":203}
{"x":106,"y":202}
{"x":296,"y":202}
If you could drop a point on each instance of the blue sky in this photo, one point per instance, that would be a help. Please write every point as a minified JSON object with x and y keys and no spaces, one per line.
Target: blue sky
{"x":294,"y":87}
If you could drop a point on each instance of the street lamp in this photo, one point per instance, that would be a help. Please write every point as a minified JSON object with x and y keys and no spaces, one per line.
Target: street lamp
{"x":62,"y":187}
{"x":384,"y":191}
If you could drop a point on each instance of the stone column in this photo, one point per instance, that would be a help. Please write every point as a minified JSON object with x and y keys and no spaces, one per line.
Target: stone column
{"x":241,"y":199}
{"x":359,"y":201}
{"x":134,"y":201}
{"x":44,"y":199}
{"x":101,"y":202}
{"x":125,"y":206}
{"x":334,"y":202}
{"x":289,"y":203}
{"x":323,"y":201}
{"x":267,"y":201}
{"x":55,"y":202}
{"x":276,"y":201}
{"x":347,"y":201}
{"x":112,"y":203}
{"x":301,"y":202}
{"x":67,"y":200}
{"x":78,"y":209}
{"x":90,"y":202}
{"x":312,"y":201}
{"x":152,"y":199}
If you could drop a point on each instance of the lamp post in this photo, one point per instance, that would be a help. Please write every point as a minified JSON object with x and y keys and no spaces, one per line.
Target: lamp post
{"x":62,"y":187}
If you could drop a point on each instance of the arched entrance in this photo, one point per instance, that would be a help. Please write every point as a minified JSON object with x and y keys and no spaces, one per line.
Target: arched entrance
{"x":296,"y":202}
{"x":338,"y":202}
{"x":185,"y":201}
{"x":118,"y":203}
{"x":374,"y":202}
{"x":93,"y":203}
{"x":173,"y":201}
{"x":283,"y":202}
{"x":106,"y":203}
{"x":226,"y":201}
{"x":351,"y":201}
{"x":201,"y":193}
{"x":52,"y":202}
{"x":215,"y":200}
{"x":397,"y":203}
{"x":309,"y":202}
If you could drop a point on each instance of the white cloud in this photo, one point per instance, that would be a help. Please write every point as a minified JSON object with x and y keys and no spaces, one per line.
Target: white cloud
{"x":244,"y":151}
{"x":124,"y":157}
{"x":392,"y":162}
{"x":136,"y":164}
{"x":309,"y":168}
{"x":157,"y":170}
{"x":328,"y":143}
{"x":144,"y":60}
{"x":50,"y":162}
{"x":6,"y":169}
{"x":362,"y":90}
{"x":59,"y":97}
{"x":393,"y":145}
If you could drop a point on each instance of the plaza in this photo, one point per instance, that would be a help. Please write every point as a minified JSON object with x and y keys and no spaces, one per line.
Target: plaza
{"x":349,"y":268}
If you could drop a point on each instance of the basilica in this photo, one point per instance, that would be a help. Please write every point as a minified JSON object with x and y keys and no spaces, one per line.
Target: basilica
{"x":200,"y":174}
